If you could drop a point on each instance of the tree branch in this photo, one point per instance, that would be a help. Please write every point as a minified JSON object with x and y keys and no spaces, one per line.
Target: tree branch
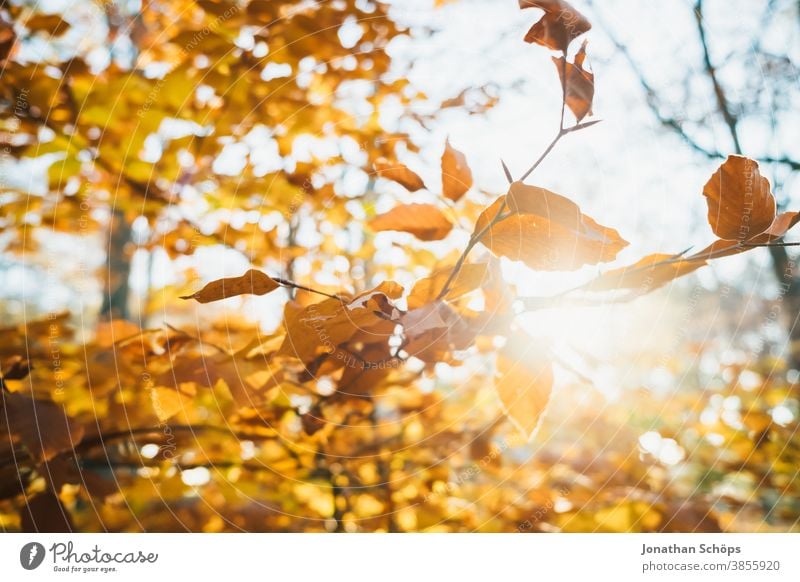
{"x":719,"y":92}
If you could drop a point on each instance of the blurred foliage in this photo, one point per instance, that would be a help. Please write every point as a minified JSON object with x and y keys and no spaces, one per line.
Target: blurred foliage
{"x":400,"y":391}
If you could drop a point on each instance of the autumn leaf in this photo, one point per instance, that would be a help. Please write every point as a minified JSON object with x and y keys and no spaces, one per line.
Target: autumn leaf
{"x":740,"y":203}
{"x":251,"y":283}
{"x":549,"y":245}
{"x":434,"y":330}
{"x":524,"y":382}
{"x":42,"y":426}
{"x":14,"y":368}
{"x":7,"y":40}
{"x":45,"y":513}
{"x":52,"y":24}
{"x":725,"y":248}
{"x":167,"y":402}
{"x":399,"y":173}
{"x":469,"y":277}
{"x":647,"y":274}
{"x":577,"y":84}
{"x":456,"y":175}
{"x":323,"y":328}
{"x":560,"y":25}
{"x":424,"y":221}
{"x":524,"y":199}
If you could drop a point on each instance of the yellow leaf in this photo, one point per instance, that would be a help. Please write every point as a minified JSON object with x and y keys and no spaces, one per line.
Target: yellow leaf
{"x":524,"y":382}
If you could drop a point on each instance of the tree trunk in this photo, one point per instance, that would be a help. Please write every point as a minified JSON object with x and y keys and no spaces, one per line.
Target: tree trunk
{"x":117,"y":269}
{"x":789,"y":288}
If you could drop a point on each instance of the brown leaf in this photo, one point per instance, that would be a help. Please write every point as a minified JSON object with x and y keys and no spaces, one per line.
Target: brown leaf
{"x":579,"y":84}
{"x":323,"y":327}
{"x":426,"y":290}
{"x":14,"y":368}
{"x":399,"y":173}
{"x":64,"y":469}
{"x":434,"y":330}
{"x":524,"y":199}
{"x":524,"y":382}
{"x":456,"y":175}
{"x":740,"y":204}
{"x":8,"y":38}
{"x":560,"y":25}
{"x":41,"y":425}
{"x":546,"y":245}
{"x":44,"y":513}
{"x":647,"y":274}
{"x":251,"y":283}
{"x":51,"y":24}
{"x":424,"y":221}
{"x":725,"y":248}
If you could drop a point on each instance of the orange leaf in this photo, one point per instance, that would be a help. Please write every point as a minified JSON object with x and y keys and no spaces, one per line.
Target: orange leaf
{"x":424,"y":221}
{"x":251,"y":283}
{"x":740,"y":204}
{"x":549,"y":245}
{"x":647,"y":274}
{"x":579,"y":84}
{"x":725,"y":248}
{"x":524,"y":382}
{"x":434,"y":330}
{"x":456,"y":175}
{"x":524,"y":199}
{"x":322,"y":328}
{"x":560,"y":25}
{"x":425,"y":290}
{"x":399,"y":173}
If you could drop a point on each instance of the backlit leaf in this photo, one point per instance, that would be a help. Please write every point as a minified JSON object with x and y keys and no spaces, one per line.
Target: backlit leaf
{"x":725,"y":248}
{"x":647,"y":274}
{"x":468,"y":278}
{"x":740,"y":203}
{"x":547,"y":245}
{"x":456,"y":175}
{"x":524,"y":382}
{"x":560,"y":25}
{"x":253,"y":282}
{"x":577,"y":83}
{"x":424,"y":221}
{"x":399,"y":173}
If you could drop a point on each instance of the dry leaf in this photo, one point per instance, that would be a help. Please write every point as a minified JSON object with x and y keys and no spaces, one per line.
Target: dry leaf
{"x":45,"y":513}
{"x":399,"y":173}
{"x":647,"y":274}
{"x":433,"y":331}
{"x":577,"y":83}
{"x":546,"y":245}
{"x":725,"y":248}
{"x":324,"y":327}
{"x":424,"y":221}
{"x":251,"y":283}
{"x":740,"y":204}
{"x":426,"y":290}
{"x":456,"y":175}
{"x":41,"y":425}
{"x":524,"y":199}
{"x":560,"y":25}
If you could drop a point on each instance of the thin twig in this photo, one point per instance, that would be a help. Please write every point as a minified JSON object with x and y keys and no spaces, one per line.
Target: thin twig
{"x":719,"y":92}
{"x":293,"y":285}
